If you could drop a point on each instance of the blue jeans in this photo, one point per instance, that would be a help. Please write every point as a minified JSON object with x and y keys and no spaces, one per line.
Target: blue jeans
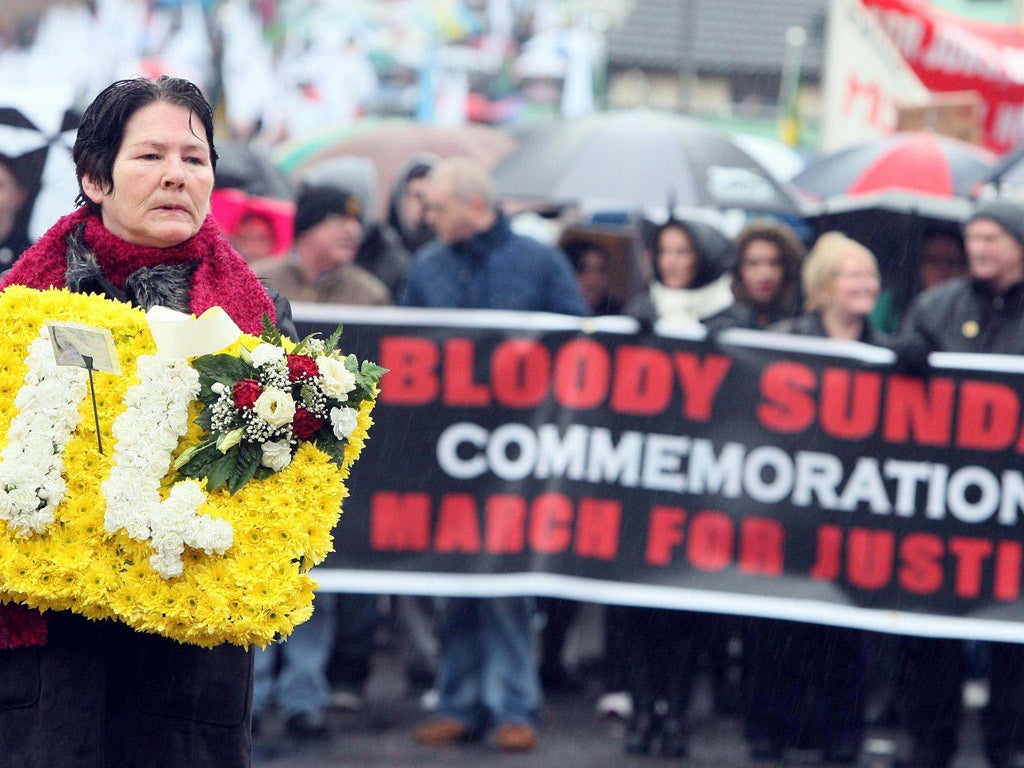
{"x":301,"y":684}
{"x":487,"y":673}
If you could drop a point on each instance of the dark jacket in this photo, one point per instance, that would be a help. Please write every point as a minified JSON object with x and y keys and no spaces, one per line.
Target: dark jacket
{"x":383,"y":256}
{"x":100,"y":695}
{"x":738,"y":315}
{"x":810,"y":324}
{"x":495,"y":269}
{"x":12,"y":246}
{"x":963,"y":315}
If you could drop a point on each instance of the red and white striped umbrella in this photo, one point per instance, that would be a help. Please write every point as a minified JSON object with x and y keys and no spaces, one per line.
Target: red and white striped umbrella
{"x":913,"y":161}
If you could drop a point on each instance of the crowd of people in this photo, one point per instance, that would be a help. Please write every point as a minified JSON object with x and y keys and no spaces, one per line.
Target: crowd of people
{"x":802,"y":686}
{"x":145,"y":162}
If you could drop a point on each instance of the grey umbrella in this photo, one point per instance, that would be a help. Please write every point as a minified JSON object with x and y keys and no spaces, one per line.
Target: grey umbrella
{"x":638,"y":158}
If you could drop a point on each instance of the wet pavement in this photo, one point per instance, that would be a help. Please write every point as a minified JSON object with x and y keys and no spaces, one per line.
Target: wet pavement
{"x":571,"y":733}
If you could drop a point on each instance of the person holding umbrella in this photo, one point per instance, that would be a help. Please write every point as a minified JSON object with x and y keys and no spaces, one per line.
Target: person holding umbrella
{"x":76,"y":693}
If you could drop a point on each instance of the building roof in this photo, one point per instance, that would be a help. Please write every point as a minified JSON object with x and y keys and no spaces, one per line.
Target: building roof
{"x":728,"y":36}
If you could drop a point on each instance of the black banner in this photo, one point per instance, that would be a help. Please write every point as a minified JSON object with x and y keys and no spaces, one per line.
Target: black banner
{"x":764,"y":475}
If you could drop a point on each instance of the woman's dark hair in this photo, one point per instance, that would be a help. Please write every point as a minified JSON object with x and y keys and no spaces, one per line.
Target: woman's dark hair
{"x":792,"y":251}
{"x":715,"y":252}
{"x":102,"y":128}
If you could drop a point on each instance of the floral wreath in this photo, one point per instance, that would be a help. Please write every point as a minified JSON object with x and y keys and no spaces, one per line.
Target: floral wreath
{"x":262,"y":436}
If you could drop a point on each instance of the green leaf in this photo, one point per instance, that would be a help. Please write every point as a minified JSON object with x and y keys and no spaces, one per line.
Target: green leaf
{"x":307,"y":394}
{"x":249,"y":457}
{"x":199,"y":463}
{"x":369,"y":375}
{"x":270,"y":333}
{"x":205,"y":419}
{"x":226,"y":369}
{"x":334,"y":449}
{"x":219,"y":471}
{"x":332,"y":341}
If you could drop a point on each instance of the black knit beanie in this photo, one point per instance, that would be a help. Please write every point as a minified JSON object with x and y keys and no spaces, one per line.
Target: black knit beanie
{"x":1007,"y":214}
{"x":318,"y":203}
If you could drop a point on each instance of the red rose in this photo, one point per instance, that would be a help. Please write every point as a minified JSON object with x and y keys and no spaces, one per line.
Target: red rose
{"x":246,"y":392}
{"x":302,"y":367}
{"x":305,"y":423}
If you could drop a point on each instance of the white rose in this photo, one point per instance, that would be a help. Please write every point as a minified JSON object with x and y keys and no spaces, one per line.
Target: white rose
{"x":264,"y":354}
{"x":275,"y":406}
{"x":344,"y":421}
{"x":277,"y":454}
{"x":337,"y":380}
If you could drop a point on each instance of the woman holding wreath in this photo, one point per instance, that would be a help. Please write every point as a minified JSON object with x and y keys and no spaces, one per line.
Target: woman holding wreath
{"x":76,"y":693}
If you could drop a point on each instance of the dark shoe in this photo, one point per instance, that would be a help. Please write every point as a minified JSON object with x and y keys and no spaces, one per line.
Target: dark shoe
{"x":307,"y":725}
{"x":765,"y":750}
{"x":441,"y":733}
{"x":1001,"y":757}
{"x":516,"y":737}
{"x":640,"y":733}
{"x":673,"y":742}
{"x":844,"y":752}
{"x":922,"y":756}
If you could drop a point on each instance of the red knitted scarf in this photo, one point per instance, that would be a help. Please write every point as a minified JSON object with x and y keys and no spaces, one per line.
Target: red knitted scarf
{"x":221,"y":278}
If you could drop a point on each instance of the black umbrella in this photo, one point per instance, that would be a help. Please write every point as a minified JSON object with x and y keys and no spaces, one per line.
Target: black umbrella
{"x":1008,"y":174}
{"x":893,"y":226}
{"x":37,"y":128}
{"x":638,"y":159}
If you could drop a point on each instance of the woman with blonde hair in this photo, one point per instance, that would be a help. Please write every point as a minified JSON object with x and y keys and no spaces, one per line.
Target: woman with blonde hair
{"x":806,"y":682}
{"x":841,"y":284}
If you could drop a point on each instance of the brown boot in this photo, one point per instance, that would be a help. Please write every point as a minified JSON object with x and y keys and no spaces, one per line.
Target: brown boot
{"x":441,"y":732}
{"x":516,"y":737}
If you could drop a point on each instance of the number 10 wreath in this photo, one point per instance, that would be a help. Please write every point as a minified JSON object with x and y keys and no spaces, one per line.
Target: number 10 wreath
{"x":221,"y":481}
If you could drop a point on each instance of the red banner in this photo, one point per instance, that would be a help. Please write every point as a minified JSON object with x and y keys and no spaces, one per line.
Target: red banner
{"x":950,"y":53}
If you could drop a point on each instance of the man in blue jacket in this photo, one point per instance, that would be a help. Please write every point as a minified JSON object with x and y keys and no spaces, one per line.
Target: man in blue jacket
{"x":487,"y":675}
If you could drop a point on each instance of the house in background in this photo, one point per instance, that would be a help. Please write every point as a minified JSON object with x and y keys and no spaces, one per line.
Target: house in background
{"x":724,"y":59}
{"x":713,"y":58}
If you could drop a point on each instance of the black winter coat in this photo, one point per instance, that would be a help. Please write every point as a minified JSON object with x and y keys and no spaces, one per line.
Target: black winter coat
{"x":810,"y":324}
{"x":101,"y":695}
{"x":739,"y":315}
{"x":963,"y":315}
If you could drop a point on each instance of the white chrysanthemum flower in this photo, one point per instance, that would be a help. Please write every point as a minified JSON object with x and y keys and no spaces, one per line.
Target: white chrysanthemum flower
{"x":344,"y":421}
{"x":265,"y":354}
{"x":277,"y":454}
{"x":31,"y":467}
